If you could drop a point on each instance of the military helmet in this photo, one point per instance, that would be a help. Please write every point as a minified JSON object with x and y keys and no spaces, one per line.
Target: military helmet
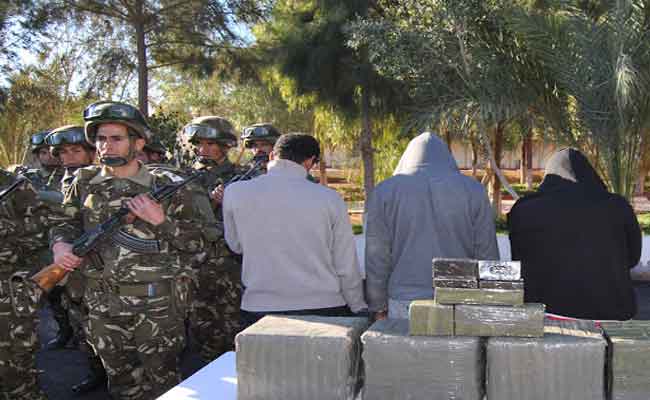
{"x":103,"y":112}
{"x":260,"y":132}
{"x":69,"y":134}
{"x":155,"y":147}
{"x":37,"y":141}
{"x":212,"y":128}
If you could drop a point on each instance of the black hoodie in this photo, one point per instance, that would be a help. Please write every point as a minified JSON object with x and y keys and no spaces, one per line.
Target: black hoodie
{"x":576,"y":242}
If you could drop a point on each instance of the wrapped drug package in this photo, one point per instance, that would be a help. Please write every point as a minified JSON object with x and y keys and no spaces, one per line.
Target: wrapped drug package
{"x":428,"y":318}
{"x":400,"y":366}
{"x":455,"y":273}
{"x":524,"y":321}
{"x":297,"y":358}
{"x":499,"y":270}
{"x":504,"y":297}
{"x":629,"y":359}
{"x":567,"y":363}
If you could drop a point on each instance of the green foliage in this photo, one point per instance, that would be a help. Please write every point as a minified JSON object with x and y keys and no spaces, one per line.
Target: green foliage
{"x":165,"y":126}
{"x":644,"y":222}
{"x":36,"y":100}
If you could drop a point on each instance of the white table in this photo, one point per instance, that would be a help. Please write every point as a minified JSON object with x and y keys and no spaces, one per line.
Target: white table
{"x":217,"y":380}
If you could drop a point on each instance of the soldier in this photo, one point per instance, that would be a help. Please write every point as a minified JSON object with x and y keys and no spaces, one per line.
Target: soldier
{"x":69,"y":145}
{"x":23,"y":219}
{"x":260,"y":138}
{"x":48,"y":164}
{"x":215,"y":317}
{"x":156,"y":153}
{"x":137,"y":298}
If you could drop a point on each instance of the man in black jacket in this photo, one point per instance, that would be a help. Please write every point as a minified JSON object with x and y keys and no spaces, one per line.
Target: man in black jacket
{"x":577,"y":242}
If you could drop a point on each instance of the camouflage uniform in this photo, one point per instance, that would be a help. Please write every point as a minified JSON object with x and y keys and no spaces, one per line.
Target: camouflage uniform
{"x":215,"y":316}
{"x":23,"y":224}
{"x":136,"y":302}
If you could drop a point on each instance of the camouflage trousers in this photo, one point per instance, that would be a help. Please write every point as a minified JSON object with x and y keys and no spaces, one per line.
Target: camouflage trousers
{"x":18,"y":346}
{"x":139,"y":340}
{"x":215,"y":317}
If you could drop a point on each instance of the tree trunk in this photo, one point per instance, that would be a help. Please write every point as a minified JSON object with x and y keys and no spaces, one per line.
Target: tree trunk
{"x":447,"y":135}
{"x":644,"y":164}
{"x":496,"y":182}
{"x":322,"y":165}
{"x":143,"y":68}
{"x":528,"y":162}
{"x":474,"y":146}
{"x":365,"y":143}
{"x":522,"y":164}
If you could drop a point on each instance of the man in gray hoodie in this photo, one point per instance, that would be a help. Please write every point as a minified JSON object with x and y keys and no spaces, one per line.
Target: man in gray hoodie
{"x":427,"y":210}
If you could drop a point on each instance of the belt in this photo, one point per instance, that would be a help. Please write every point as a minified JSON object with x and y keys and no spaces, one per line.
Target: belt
{"x":153,"y":289}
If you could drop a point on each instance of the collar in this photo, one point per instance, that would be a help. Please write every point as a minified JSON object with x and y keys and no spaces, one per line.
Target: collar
{"x":287,"y":168}
{"x":143,"y":177}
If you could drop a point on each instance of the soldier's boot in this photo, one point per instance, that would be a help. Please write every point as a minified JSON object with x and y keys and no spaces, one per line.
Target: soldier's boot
{"x":95,"y":379}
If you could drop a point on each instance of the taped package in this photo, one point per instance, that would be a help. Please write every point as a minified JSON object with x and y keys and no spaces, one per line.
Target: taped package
{"x":479,"y":296}
{"x":300,"y":357}
{"x":499,"y":270}
{"x":399,"y":366}
{"x":506,"y":285}
{"x":567,"y":363}
{"x":629,"y":359}
{"x":519,"y":321}
{"x":428,"y":318}
{"x":456,"y":273}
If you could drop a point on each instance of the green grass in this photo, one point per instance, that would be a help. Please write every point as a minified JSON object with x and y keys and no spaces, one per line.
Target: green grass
{"x":521,"y":189}
{"x":644,"y":222}
{"x":357,"y":229}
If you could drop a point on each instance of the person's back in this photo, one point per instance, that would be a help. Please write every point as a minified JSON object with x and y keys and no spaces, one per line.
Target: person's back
{"x":295,"y":237}
{"x":576,"y":242}
{"x":427,"y":210}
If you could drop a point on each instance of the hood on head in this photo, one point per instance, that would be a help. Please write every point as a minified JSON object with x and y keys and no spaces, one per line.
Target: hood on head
{"x":426,"y":153}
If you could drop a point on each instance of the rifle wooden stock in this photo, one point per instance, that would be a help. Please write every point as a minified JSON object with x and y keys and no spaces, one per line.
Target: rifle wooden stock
{"x":49,"y":276}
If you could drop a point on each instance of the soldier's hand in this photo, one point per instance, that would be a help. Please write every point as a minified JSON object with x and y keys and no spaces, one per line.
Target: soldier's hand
{"x":217,"y":194}
{"x":64,"y":257}
{"x":143,"y":207}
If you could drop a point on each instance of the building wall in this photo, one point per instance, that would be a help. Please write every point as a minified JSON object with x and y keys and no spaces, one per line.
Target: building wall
{"x":511,"y":158}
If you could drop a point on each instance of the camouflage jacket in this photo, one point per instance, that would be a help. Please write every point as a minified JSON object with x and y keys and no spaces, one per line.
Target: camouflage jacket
{"x":24,"y":222}
{"x":95,"y":195}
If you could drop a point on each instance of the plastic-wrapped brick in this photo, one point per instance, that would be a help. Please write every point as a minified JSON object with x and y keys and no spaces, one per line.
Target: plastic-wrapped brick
{"x":507,"y":285}
{"x":567,"y":363}
{"x":518,"y":321}
{"x":299,"y":357}
{"x":428,"y":318}
{"x":479,"y":296}
{"x":455,"y":268}
{"x":455,"y":283}
{"x":499,"y":270}
{"x":629,"y":359}
{"x":399,"y":366}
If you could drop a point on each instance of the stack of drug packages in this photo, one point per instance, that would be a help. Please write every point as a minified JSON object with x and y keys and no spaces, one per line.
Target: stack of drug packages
{"x":477,"y":298}
{"x":521,"y":355}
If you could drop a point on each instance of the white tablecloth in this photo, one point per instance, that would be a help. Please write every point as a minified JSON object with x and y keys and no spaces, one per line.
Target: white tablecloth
{"x":217,"y":380}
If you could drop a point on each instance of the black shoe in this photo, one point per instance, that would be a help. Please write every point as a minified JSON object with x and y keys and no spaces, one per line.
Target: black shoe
{"x":90,"y":383}
{"x":60,"y":340}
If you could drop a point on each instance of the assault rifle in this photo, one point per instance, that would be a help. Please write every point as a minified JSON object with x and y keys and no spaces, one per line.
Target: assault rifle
{"x":10,"y":189}
{"x":49,"y":276}
{"x":259,"y":161}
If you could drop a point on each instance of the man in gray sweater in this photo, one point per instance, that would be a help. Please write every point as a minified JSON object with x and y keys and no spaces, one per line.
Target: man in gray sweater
{"x":299,"y":255}
{"x":427,"y":209}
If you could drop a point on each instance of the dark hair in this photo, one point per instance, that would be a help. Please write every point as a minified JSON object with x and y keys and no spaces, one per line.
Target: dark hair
{"x":296,"y":147}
